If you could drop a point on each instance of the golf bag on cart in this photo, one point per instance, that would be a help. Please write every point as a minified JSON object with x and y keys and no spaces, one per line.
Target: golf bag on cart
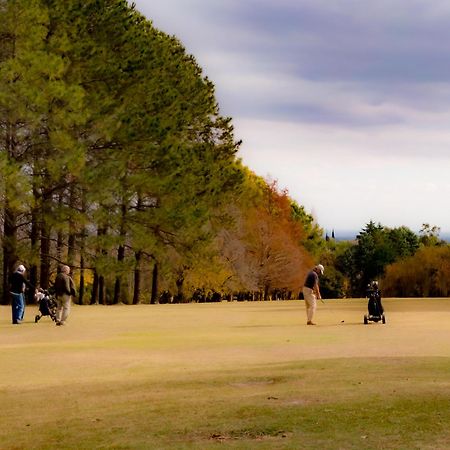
{"x":47,"y":305}
{"x":375,"y":308}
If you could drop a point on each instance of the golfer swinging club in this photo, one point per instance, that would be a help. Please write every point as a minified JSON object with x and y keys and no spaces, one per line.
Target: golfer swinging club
{"x":311,"y":292}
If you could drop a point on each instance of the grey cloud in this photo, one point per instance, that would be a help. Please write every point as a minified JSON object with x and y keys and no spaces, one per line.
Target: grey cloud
{"x":353,"y":42}
{"x":386,"y":52}
{"x":250,"y":106}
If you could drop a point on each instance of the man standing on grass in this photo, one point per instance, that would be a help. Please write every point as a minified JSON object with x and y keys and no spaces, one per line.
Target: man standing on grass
{"x":64,"y":289}
{"x":311,"y":292}
{"x":18,"y":284}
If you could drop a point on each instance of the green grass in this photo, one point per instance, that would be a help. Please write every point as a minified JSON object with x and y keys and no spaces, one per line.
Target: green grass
{"x":230,"y":375}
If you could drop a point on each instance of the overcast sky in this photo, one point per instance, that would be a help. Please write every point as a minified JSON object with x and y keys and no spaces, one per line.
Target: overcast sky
{"x":346,"y":103}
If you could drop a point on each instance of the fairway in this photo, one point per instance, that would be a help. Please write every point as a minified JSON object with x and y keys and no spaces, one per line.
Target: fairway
{"x":228,"y":375}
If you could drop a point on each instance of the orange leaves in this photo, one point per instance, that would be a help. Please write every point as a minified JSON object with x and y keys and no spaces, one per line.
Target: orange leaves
{"x":268,"y":240}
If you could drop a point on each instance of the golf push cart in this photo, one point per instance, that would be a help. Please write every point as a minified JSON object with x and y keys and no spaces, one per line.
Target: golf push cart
{"x":376,"y":311}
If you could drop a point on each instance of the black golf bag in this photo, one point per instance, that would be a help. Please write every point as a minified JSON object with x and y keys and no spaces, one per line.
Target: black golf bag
{"x":47,"y":305}
{"x":374,"y":306}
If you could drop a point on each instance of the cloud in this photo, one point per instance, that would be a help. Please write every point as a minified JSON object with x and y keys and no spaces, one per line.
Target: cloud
{"x":349,"y":177}
{"x":347,"y":103}
{"x":351,"y":62}
{"x":346,"y":40}
{"x":251,"y":94}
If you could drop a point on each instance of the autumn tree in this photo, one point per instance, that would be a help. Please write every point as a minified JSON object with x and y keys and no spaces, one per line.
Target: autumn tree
{"x":425,"y":274}
{"x":265,"y":248}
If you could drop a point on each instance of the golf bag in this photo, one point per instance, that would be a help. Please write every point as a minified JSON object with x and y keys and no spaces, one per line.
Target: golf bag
{"x":375,"y":308}
{"x":47,"y":305}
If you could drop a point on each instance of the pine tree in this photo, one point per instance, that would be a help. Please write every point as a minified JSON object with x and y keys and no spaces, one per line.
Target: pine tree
{"x":112,"y":144}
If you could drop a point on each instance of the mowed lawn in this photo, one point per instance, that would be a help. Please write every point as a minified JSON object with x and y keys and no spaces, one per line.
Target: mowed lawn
{"x":228,"y":375}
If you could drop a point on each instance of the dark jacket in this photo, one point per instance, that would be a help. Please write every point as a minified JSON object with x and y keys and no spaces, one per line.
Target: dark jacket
{"x":18,"y":283}
{"x":64,"y":285}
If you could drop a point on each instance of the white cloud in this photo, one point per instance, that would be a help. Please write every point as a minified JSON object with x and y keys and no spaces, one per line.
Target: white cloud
{"x":349,"y":177}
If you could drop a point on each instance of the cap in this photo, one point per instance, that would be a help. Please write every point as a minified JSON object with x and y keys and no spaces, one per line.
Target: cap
{"x":21,"y":269}
{"x":320,"y":268}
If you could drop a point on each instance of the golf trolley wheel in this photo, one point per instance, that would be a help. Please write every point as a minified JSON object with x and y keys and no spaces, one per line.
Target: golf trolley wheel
{"x":366,"y":320}
{"x":383,"y":319}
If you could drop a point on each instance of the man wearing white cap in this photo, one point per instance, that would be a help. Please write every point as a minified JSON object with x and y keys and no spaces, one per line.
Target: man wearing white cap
{"x":18,"y":283}
{"x":311,"y":292}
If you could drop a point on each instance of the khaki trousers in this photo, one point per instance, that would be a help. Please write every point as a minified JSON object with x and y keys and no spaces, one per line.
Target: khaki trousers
{"x":310,"y":303}
{"x":63,"y":308}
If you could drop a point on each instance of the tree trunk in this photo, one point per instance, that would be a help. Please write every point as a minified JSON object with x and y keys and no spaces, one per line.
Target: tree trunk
{"x":45,"y":243}
{"x":179,"y":283}
{"x":137,"y":278}
{"x":81,"y":287}
{"x":71,"y":249}
{"x":9,"y":250}
{"x":34,"y":241}
{"x":72,"y":229}
{"x":118,"y":283}
{"x":9,"y":238}
{"x":101,"y":290}
{"x":82,"y":250}
{"x":60,"y":236}
{"x":94,"y":294}
{"x":45,"y":261}
{"x":154,"y":297}
{"x":98,"y":289}
{"x":120,"y":257}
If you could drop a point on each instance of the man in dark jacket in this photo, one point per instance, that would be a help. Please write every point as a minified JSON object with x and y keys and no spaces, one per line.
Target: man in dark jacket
{"x":18,"y":284}
{"x":64,"y":289}
{"x":311,"y":292}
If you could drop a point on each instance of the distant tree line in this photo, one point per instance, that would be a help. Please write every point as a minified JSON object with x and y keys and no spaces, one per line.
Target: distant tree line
{"x":405,"y":263}
{"x":115,"y":160}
